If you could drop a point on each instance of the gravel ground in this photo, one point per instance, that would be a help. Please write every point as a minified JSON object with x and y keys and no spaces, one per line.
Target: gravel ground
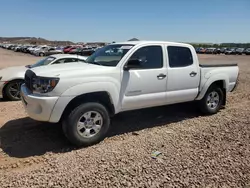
{"x":197,"y":151}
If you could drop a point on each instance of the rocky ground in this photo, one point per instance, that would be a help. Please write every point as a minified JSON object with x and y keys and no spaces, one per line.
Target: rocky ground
{"x":197,"y":151}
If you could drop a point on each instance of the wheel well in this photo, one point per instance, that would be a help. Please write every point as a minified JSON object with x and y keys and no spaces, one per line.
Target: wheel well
{"x":100,"y":97}
{"x":221,"y":84}
{"x":8,"y":83}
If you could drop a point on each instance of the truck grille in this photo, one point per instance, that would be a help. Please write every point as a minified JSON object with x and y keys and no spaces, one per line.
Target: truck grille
{"x":29,"y":75}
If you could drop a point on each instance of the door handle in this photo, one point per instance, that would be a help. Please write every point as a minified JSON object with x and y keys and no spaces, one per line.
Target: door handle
{"x":192,"y":74}
{"x":161,"y":76}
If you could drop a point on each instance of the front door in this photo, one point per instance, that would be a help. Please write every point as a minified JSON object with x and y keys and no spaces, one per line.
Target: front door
{"x":145,"y":86}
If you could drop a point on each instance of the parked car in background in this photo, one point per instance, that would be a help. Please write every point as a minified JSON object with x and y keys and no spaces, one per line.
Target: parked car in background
{"x":45,"y":51}
{"x":211,"y":51}
{"x":86,"y":52}
{"x":54,"y":50}
{"x":17,"y":48}
{"x":24,"y":49}
{"x":11,"y":78}
{"x":41,"y":51}
{"x":38,"y":49}
{"x":239,"y":51}
{"x":11,"y":46}
{"x":78,"y":50}
{"x":200,"y":50}
{"x":31,"y":49}
{"x":72,"y":49}
{"x":222,"y":50}
{"x":230,"y":51}
{"x":247,"y":51}
{"x":75,"y":50}
{"x":217,"y":51}
{"x":67,"y":49}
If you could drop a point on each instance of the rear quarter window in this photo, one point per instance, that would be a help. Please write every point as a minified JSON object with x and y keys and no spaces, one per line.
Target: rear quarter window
{"x":179,"y":56}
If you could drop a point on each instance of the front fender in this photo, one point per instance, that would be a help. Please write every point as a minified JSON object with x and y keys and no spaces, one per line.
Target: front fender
{"x":210,"y":81}
{"x":81,"y":89}
{"x":91,"y":87}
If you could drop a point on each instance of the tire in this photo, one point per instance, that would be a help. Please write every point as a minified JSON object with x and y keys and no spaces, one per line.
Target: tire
{"x":78,"y":136}
{"x":208,"y":104}
{"x":12,"y":90}
{"x":41,"y":54}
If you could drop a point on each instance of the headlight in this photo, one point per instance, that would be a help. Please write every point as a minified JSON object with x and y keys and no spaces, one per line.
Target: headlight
{"x":44,"y":84}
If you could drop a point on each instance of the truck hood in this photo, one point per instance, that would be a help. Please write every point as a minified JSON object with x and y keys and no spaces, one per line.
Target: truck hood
{"x":69,"y":69}
{"x":12,"y":72}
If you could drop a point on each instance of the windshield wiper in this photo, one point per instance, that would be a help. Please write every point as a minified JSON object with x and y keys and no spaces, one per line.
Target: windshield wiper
{"x":95,"y":63}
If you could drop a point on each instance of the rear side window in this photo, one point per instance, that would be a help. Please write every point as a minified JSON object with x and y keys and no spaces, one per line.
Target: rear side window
{"x":179,"y":56}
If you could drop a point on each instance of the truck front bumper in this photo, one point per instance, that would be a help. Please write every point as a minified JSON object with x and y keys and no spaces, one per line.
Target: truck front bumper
{"x":38,"y":107}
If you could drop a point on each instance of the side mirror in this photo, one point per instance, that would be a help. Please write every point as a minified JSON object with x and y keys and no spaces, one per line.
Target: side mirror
{"x":133,"y":64}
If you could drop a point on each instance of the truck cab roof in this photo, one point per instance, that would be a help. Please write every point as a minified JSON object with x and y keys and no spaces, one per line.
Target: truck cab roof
{"x":153,"y":42}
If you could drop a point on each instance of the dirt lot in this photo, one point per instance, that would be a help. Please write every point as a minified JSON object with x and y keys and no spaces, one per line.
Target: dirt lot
{"x":196,"y":151}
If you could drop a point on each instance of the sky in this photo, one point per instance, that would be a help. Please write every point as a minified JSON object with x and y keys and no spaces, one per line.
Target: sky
{"x":214,"y":21}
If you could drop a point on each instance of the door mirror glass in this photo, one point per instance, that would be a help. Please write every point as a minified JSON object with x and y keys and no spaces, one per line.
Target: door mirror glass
{"x":133,"y":64}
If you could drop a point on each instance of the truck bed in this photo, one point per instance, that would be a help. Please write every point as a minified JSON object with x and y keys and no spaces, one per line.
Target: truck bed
{"x":226,"y":71}
{"x":219,"y":65}
{"x":217,"y":60}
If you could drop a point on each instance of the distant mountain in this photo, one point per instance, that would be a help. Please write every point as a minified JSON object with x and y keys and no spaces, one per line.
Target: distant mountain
{"x":33,"y":40}
{"x":133,"y":39}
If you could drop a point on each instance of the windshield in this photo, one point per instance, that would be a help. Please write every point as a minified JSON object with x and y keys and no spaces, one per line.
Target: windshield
{"x":109,"y":55}
{"x":43,"y":62}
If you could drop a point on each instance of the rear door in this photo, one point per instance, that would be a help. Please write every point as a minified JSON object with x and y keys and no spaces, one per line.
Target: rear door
{"x":183,"y":74}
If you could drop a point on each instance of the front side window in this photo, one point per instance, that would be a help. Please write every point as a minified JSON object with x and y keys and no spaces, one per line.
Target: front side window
{"x":109,"y":55}
{"x":179,"y":56}
{"x":150,"y":57}
{"x":43,"y":62}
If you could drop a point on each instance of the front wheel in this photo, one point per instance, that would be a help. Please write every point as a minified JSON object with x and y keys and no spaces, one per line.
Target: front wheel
{"x":87,"y":124}
{"x":212,"y":101}
{"x":12,"y":90}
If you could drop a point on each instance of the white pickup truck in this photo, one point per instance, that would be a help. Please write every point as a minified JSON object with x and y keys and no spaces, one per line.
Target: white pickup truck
{"x":121,"y":77}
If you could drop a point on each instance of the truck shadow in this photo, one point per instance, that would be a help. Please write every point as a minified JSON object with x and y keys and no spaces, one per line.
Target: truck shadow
{"x":2,"y":100}
{"x":24,"y":137}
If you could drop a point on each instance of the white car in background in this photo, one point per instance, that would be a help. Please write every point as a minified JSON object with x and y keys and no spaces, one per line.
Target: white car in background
{"x":12,"y":78}
{"x":31,"y":49}
{"x":38,"y":48}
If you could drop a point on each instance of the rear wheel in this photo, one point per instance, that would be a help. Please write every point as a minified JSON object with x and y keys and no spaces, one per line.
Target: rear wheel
{"x":12,"y":90}
{"x":212,"y":101}
{"x":87,"y":124}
